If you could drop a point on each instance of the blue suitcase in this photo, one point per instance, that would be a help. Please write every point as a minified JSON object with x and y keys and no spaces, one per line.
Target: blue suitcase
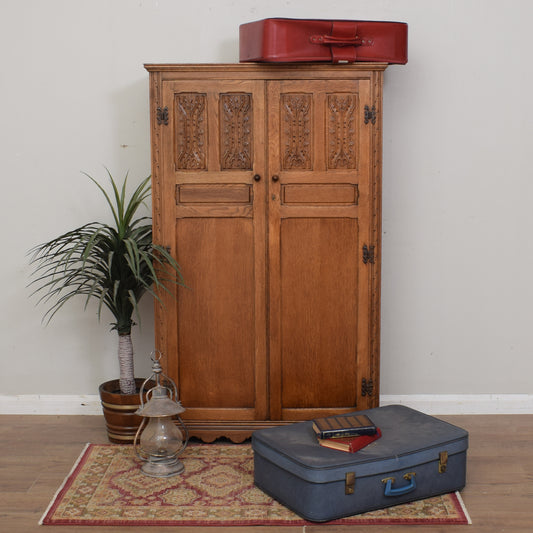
{"x":417,"y":456}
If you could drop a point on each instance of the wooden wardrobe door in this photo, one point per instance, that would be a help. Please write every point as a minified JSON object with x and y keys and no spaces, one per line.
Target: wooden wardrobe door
{"x":213,"y":218}
{"x":319,"y":219}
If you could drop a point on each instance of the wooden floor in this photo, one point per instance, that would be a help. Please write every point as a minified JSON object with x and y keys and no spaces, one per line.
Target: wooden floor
{"x":37,"y":452}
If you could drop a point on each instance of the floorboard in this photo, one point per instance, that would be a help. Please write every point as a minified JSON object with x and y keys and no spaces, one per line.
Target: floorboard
{"x":39,"y":451}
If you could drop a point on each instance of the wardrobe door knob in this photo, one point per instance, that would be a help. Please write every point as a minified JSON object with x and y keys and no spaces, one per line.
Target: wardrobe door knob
{"x":275,"y":178}
{"x":257,"y":177}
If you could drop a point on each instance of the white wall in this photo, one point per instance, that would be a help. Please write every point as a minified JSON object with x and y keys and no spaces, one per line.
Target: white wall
{"x":457,"y":217}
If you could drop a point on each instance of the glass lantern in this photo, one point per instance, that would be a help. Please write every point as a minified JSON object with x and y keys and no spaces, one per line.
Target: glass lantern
{"x":159,"y":441}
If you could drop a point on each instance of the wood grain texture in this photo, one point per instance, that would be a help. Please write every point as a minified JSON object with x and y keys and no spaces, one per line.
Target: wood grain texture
{"x":267,"y":187}
{"x":217,"y":254}
{"x":319,"y":285}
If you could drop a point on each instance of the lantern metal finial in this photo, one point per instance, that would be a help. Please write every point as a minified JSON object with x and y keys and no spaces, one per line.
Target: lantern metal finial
{"x":159,"y":441}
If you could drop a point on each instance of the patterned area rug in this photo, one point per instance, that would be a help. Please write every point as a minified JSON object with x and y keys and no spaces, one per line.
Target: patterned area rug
{"x":106,"y":487}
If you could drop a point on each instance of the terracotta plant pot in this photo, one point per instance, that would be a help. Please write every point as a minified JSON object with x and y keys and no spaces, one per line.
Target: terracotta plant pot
{"x":119,"y":411}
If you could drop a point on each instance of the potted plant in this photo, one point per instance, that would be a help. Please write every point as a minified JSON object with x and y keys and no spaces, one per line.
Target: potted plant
{"x":114,"y":265}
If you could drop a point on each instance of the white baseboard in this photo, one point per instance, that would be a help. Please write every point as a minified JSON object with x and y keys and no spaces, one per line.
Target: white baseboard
{"x":50,"y":404}
{"x":432,"y":404}
{"x":464,"y":404}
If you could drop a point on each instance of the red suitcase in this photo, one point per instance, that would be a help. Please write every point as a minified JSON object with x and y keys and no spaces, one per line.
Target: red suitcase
{"x":293,"y":40}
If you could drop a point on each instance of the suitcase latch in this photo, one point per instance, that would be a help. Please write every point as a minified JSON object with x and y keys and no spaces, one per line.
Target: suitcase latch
{"x":443,"y":462}
{"x":349,"y":485}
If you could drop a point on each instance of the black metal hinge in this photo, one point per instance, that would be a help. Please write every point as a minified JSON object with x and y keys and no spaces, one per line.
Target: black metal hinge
{"x":162,"y":115}
{"x":368,"y":254}
{"x":370,"y":114}
{"x":367,"y":387}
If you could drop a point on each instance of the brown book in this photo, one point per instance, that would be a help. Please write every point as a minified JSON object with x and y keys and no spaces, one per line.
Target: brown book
{"x":343,"y":426}
{"x":350,"y":444}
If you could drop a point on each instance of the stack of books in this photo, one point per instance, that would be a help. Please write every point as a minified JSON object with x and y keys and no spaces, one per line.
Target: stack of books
{"x":348,"y":433}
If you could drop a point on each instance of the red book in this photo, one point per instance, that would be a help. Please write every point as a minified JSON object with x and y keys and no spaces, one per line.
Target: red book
{"x":350,"y":444}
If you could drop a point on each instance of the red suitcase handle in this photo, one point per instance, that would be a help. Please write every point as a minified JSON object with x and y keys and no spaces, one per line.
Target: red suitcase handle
{"x":338,"y":41}
{"x":343,"y":34}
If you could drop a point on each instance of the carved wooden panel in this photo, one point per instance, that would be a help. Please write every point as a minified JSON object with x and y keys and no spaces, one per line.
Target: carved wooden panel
{"x":341,"y":131}
{"x":191,"y":111}
{"x":296,"y":134}
{"x":236,"y":131}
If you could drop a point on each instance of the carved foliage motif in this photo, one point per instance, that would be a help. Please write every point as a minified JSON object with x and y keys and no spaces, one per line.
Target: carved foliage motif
{"x":235,"y":131}
{"x":296,"y":111}
{"x":190,"y":131}
{"x":341,"y":131}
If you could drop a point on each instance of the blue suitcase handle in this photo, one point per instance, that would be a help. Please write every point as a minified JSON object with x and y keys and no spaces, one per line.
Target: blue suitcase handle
{"x":389,"y":491}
